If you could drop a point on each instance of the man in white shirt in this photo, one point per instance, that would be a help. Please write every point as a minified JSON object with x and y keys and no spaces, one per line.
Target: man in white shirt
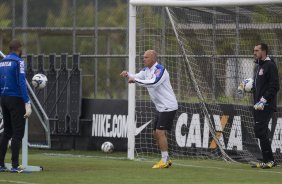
{"x":156,"y":79}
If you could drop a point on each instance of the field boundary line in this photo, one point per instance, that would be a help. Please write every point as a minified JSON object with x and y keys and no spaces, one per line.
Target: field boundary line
{"x":224,"y":168}
{"x":83,"y":156}
{"x":17,"y":182}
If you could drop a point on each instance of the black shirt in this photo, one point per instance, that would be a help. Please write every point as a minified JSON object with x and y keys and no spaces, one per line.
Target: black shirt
{"x":266,"y":82}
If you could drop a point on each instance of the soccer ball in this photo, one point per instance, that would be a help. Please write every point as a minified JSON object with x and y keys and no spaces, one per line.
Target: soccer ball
{"x":107,"y":147}
{"x":39,"y":81}
{"x":248,"y":85}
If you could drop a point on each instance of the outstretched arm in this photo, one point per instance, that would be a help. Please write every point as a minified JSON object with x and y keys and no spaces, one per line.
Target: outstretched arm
{"x":158,"y":77}
{"x":132,"y":77}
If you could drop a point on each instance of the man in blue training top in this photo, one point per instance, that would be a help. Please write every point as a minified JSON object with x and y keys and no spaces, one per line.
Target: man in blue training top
{"x":14,"y":102}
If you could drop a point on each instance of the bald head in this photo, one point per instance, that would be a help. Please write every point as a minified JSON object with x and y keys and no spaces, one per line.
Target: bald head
{"x":150,"y":58}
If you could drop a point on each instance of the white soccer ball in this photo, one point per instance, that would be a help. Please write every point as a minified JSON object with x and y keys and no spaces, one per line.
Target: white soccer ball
{"x":107,"y":147}
{"x":39,"y":81}
{"x":248,"y":85}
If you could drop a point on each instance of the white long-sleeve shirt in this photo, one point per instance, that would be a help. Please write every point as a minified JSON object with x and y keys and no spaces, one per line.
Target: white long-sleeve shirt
{"x":156,"y":80}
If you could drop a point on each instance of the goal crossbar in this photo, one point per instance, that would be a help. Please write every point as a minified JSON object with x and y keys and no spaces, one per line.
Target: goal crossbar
{"x":203,"y":3}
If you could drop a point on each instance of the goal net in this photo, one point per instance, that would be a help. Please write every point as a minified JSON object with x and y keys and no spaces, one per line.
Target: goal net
{"x":207,"y":51}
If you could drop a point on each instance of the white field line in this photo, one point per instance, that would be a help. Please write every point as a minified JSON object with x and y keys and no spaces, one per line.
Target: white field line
{"x":177,"y":164}
{"x":17,"y":182}
{"x":223,"y":168}
{"x":84,"y":156}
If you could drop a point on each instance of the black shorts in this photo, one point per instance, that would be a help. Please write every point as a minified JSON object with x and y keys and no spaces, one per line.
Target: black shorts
{"x":164,"y":120}
{"x":13,"y":109}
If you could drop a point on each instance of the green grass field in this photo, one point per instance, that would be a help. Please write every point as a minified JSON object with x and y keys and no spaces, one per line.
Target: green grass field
{"x":73,"y":167}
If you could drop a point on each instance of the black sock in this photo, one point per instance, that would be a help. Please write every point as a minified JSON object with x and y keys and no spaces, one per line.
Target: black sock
{"x":15,"y":146}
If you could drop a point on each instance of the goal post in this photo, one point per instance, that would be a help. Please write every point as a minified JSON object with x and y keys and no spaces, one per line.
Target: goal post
{"x":131,"y":88}
{"x":206,"y":46}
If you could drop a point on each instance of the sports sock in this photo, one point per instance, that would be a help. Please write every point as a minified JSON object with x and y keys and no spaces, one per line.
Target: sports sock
{"x":164,"y":156}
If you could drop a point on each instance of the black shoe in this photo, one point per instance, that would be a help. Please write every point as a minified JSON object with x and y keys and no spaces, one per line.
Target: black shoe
{"x":3,"y":169}
{"x":257,"y":164}
{"x":18,"y":169}
{"x":269,"y":165}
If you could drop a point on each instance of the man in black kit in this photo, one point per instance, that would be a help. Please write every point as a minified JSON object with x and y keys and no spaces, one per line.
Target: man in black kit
{"x":266,"y":86}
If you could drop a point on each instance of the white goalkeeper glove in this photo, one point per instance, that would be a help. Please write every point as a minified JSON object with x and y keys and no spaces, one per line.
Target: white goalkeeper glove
{"x":259,"y":106}
{"x":28,"y":110}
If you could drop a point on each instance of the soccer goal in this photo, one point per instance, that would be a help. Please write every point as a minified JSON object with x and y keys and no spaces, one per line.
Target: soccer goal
{"x":207,"y":48}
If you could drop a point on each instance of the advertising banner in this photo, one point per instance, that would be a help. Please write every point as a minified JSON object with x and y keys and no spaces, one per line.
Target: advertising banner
{"x":234,"y":126}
